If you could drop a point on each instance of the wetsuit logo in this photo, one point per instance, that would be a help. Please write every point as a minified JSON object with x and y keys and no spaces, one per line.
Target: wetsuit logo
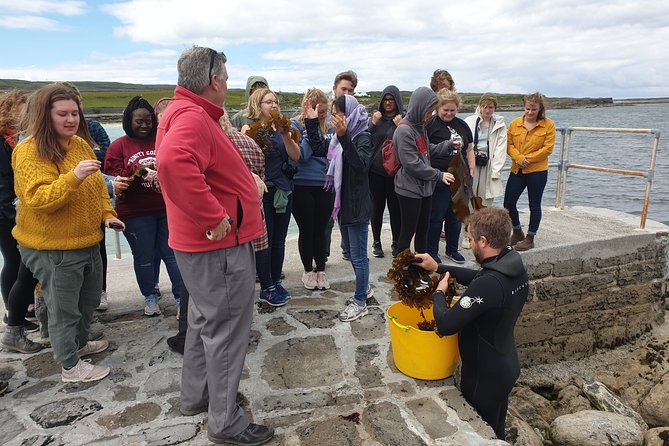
{"x":467,"y":302}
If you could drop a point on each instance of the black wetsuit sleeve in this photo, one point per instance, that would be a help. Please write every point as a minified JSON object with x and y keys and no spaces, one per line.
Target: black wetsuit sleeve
{"x":464,"y":276}
{"x":482,"y":295}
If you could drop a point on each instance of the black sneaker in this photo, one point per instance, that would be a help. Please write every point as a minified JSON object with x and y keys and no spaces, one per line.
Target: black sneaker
{"x":456,"y":257}
{"x":378,"y":250}
{"x":30,"y":315}
{"x":393,"y":249}
{"x":253,"y":435}
{"x":176,"y":343}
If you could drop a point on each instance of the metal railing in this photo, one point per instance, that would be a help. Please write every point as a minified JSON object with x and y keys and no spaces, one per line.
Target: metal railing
{"x":564,"y":164}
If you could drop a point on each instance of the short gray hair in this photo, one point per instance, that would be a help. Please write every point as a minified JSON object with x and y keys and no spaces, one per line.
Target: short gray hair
{"x":193,"y":67}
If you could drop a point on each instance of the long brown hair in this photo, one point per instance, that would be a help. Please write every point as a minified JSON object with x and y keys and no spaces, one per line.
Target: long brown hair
{"x":38,"y":118}
{"x":538,"y":99}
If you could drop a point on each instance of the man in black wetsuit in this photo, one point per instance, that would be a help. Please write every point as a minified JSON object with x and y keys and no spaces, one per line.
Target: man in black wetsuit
{"x":485,"y":315}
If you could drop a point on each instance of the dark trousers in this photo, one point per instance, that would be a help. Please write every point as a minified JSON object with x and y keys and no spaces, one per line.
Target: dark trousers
{"x":415,"y":217}
{"x":269,"y":262}
{"x":535,"y":183}
{"x":382,"y":189}
{"x":17,"y":280}
{"x":312,"y":207}
{"x":442,"y":216}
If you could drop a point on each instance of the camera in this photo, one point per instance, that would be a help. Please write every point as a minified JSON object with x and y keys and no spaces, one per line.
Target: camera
{"x":288,"y":170}
{"x":481,"y":158}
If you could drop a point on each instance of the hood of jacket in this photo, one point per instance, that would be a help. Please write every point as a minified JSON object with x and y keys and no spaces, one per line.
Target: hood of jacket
{"x":508,"y":263}
{"x":252,"y":80}
{"x":421,"y":99}
{"x":498,"y":120}
{"x":395,"y":93}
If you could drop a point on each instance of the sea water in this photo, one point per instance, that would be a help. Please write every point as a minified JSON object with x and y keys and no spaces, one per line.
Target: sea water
{"x":587,"y":188}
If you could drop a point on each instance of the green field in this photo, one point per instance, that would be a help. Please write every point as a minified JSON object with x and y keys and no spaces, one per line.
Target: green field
{"x":112,"y":97}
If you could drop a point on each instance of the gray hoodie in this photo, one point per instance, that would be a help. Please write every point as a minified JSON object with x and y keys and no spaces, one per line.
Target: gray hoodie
{"x":416,"y":178}
{"x":239,"y":119}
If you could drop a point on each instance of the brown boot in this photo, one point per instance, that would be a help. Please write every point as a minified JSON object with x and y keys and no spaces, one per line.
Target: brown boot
{"x":517,"y":236}
{"x":525,"y":244}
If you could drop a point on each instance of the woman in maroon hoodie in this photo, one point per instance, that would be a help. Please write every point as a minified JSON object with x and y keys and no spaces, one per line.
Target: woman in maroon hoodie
{"x":141,"y":206}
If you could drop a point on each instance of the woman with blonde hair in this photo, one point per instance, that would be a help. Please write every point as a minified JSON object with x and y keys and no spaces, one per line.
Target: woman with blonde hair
{"x":489,"y":132}
{"x":446,"y":126}
{"x":312,"y":205}
{"x":530,"y":143}
{"x":63,"y":201}
{"x":278,"y":201}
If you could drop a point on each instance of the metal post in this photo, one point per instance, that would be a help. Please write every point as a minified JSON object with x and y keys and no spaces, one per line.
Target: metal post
{"x":117,"y":243}
{"x":649,"y":179}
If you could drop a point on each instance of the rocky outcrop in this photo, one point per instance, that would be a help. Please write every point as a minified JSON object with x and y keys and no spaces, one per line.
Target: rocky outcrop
{"x":603,"y":399}
{"x":596,"y":428}
{"x":655,"y":407}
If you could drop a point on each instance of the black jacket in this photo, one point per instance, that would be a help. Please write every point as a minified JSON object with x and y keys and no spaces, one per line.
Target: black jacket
{"x":7,"y":195}
{"x":384,"y":129}
{"x":356,"y":202}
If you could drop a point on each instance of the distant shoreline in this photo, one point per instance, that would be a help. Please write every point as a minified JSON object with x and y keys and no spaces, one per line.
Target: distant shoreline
{"x":468,"y":108}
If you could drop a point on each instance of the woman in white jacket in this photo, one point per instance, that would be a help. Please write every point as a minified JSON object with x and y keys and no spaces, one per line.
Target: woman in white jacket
{"x":489,"y":132}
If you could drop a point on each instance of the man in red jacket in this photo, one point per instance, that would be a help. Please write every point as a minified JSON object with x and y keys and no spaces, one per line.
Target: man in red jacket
{"x":213,"y":214}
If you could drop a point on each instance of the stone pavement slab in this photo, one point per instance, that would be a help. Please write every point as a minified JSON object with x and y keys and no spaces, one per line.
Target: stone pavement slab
{"x":316,"y":380}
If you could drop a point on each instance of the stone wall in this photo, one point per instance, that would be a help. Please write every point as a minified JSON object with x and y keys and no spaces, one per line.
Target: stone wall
{"x":592,"y":295}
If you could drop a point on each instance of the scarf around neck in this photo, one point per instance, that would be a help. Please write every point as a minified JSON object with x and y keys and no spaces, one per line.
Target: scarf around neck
{"x":356,"y":123}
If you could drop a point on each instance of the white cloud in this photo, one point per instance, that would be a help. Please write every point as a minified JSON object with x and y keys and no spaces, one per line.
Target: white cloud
{"x":63,"y":7}
{"x":144,"y":67}
{"x":573,"y":47}
{"x":31,"y":22}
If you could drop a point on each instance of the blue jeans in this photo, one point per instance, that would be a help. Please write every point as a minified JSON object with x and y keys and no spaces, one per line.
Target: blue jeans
{"x":269,"y":262}
{"x":442,"y":211}
{"x":515,"y":185}
{"x":355,"y":242}
{"x":147,"y":235}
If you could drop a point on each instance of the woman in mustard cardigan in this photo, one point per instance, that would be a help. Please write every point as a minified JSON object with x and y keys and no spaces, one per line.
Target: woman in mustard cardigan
{"x":531,"y":139}
{"x":63,"y":201}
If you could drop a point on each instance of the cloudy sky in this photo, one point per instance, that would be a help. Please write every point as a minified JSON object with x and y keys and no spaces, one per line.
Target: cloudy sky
{"x":617,"y":48}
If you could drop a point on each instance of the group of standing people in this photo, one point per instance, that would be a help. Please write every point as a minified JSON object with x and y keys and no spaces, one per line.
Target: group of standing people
{"x":228,"y":206}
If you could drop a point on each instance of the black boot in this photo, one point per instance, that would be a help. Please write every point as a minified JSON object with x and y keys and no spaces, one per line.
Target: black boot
{"x":176,"y":343}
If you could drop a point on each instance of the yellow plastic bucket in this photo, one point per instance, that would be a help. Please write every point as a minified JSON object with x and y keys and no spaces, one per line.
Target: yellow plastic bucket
{"x":420,"y":354}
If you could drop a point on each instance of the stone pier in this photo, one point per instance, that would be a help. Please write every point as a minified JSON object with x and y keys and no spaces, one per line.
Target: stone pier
{"x":597,"y":281}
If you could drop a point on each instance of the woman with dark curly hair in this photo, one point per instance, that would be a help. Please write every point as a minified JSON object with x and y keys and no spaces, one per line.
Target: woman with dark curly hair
{"x":141,"y":206}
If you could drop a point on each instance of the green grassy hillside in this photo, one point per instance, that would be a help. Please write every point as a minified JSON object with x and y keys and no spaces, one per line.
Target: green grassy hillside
{"x":112,"y":97}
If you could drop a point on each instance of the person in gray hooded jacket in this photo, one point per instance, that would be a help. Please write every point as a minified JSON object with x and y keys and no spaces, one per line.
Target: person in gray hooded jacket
{"x":241,"y":117}
{"x":416,"y":178}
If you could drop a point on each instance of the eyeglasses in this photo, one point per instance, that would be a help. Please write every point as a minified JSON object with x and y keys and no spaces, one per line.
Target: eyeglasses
{"x":270,"y":102}
{"x":388,"y":100}
{"x":213,"y":54}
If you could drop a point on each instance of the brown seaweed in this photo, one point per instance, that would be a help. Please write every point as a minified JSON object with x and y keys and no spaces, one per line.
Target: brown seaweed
{"x":461,"y":189}
{"x":263,"y":129}
{"x":415,"y":286}
{"x":138,"y":174}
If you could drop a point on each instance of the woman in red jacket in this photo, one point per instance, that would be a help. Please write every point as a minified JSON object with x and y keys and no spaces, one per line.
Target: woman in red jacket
{"x":141,"y":206}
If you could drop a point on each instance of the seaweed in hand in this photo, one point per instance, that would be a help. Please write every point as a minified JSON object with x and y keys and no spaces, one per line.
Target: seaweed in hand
{"x":262,"y":130}
{"x":138,"y":174}
{"x":411,"y":282}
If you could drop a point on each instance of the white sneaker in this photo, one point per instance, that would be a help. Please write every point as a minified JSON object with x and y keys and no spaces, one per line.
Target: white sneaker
{"x":322,"y":281}
{"x":93,"y":347}
{"x":103,"y":302}
{"x":84,"y":372}
{"x":309,"y":280}
{"x":151,"y":309}
{"x":178,"y":311}
{"x":370,"y":293}
{"x":352,"y":312}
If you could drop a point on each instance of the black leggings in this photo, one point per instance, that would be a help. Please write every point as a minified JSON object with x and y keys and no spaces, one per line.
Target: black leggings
{"x":19,"y":288}
{"x":415,"y":217}
{"x":383,"y":190}
{"x":489,"y":396}
{"x":103,"y":254}
{"x":312,"y":207}
{"x":11,"y":258}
